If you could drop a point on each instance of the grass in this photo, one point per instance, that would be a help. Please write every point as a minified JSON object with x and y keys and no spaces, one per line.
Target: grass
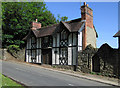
{"x":5,"y":82}
{"x":93,"y":73}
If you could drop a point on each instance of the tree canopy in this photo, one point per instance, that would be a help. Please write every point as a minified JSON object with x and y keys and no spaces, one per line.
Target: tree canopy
{"x":16,"y":19}
{"x":63,"y":18}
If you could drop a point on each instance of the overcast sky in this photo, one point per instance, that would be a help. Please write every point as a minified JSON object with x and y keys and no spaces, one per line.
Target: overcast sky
{"x":105,"y":17}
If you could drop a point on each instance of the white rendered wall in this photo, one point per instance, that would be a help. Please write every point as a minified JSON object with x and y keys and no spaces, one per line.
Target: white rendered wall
{"x":38,"y":58}
{"x":57,"y":49}
{"x":80,"y":41}
{"x":29,"y":50}
{"x":74,"y":55}
{"x":69,"y":55}
{"x":70,"y":49}
{"x":74,"y":39}
{"x":91,"y":37}
{"x":70,"y":40}
{"x":53,"y":56}
{"x":74,"y":48}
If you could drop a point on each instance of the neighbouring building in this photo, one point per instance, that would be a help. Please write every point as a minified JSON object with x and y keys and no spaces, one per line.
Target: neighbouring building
{"x":118,"y":35}
{"x":59,"y":44}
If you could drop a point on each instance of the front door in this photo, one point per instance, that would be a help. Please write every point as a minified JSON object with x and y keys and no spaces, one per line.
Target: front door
{"x":47,"y":56}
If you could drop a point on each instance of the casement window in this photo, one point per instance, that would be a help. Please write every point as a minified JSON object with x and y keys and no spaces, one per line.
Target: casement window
{"x":64,"y":36}
{"x":33,"y":43}
{"x":63,"y":56}
{"x":33,"y":39}
{"x":33,"y":49}
{"x":46,"y":42}
{"x":45,"y":39}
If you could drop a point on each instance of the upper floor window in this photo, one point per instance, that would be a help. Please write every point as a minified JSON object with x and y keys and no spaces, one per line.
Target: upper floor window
{"x":63,"y":35}
{"x":33,"y":39}
{"x":45,"y":39}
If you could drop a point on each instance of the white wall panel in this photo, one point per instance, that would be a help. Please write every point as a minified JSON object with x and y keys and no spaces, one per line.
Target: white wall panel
{"x":53,"y":56}
{"x":27,"y":56}
{"x":39,"y":56}
{"x":74,"y":55}
{"x":70,"y":40}
{"x":57,"y":56}
{"x":69,"y":55}
{"x":74,"y":39}
{"x":80,"y":41}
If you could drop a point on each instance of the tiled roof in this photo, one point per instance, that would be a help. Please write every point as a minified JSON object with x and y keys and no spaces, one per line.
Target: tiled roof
{"x":45,"y":31}
{"x":71,"y":26}
{"x":117,"y":34}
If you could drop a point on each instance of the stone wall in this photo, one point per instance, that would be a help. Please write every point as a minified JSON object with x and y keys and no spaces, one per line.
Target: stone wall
{"x":105,"y":61}
{"x":85,"y":59}
{"x":21,"y":55}
{"x":5,"y":55}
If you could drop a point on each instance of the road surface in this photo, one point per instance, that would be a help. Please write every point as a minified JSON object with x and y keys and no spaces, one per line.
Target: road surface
{"x":36,"y":76}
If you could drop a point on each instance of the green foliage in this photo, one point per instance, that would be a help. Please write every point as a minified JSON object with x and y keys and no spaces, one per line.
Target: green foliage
{"x":99,"y":74}
{"x":17,"y":18}
{"x":13,"y":49}
{"x":54,"y":66}
{"x":64,"y":18}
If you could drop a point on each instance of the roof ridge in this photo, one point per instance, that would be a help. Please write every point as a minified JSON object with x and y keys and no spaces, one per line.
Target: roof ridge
{"x":48,"y":26}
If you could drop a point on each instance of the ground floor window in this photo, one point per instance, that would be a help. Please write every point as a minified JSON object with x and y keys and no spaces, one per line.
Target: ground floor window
{"x":63,"y":56}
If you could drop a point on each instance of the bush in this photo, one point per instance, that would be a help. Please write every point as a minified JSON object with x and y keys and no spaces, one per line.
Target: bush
{"x":13,"y":49}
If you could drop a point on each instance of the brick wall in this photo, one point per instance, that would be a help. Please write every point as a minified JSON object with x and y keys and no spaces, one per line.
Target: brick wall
{"x":86,"y":14}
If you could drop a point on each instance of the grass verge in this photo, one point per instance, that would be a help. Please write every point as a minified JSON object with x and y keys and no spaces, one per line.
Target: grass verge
{"x":6,"y":82}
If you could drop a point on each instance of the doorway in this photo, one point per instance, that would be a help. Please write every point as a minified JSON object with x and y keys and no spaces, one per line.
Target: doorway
{"x":96,"y":64}
{"x":47,"y":56}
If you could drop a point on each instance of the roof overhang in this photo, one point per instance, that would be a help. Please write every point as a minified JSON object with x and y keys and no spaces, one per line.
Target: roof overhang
{"x":117,"y":34}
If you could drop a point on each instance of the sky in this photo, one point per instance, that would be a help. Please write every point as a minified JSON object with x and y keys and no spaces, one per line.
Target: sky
{"x":105,"y":18}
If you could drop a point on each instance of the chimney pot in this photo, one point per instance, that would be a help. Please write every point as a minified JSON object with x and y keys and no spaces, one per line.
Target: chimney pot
{"x":36,"y":20}
{"x":84,"y":3}
{"x":87,"y":5}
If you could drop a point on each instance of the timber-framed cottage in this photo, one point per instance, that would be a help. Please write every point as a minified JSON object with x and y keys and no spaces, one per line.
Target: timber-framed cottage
{"x":59,"y":44}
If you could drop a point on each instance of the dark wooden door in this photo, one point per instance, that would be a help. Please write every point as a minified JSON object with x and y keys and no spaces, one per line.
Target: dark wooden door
{"x":47,"y":56}
{"x":96,"y":65}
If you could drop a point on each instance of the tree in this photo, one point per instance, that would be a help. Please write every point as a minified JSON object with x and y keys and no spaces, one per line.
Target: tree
{"x":17,"y":18}
{"x":63,"y":18}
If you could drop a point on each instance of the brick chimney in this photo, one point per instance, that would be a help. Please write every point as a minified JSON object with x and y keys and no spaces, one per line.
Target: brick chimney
{"x":87,"y":15}
{"x":36,"y":25}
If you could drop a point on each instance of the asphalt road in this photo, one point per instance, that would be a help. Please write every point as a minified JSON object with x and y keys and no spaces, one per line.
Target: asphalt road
{"x":36,"y":76}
